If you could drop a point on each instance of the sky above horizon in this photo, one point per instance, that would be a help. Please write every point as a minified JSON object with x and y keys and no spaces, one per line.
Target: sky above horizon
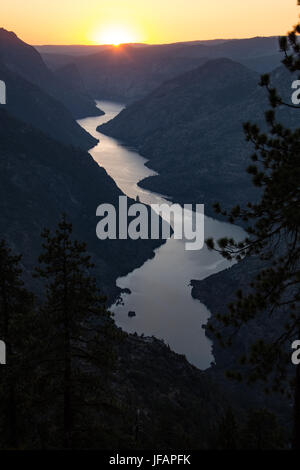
{"x":152,"y":21}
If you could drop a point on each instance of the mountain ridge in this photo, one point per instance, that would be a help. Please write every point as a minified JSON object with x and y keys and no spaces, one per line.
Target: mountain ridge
{"x":172,"y":128}
{"x":25,"y":60}
{"x":31,"y":104}
{"x":128,"y":73}
{"x":41,"y":179}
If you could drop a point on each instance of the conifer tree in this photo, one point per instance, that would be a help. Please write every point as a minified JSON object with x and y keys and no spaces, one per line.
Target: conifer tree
{"x":273,"y":235}
{"x":16,"y":325}
{"x":227,"y":438}
{"x":262,"y":432}
{"x":78,"y":336}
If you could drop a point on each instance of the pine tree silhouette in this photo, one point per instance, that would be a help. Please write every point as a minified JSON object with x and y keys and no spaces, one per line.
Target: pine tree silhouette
{"x":78,"y":334}
{"x":273,"y":236}
{"x":17,"y":318}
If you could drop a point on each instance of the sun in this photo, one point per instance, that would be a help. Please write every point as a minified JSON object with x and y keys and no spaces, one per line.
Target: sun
{"x":114,"y":35}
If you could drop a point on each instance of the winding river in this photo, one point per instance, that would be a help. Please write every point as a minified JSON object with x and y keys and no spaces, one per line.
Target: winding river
{"x":160,"y":291}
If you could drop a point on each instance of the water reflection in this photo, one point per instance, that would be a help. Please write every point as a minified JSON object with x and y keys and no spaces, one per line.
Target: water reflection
{"x":160,"y":292}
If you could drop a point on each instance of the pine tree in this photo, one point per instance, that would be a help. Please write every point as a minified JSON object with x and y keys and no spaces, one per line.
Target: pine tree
{"x":273,"y":236}
{"x":262,"y":432}
{"x":79,"y":334}
{"x":17,"y":321}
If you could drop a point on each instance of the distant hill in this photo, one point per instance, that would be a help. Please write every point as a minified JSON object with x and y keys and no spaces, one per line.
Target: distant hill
{"x":23,"y":59}
{"x":191,"y":131}
{"x":129,"y":72}
{"x":264,"y":64}
{"x":216,"y":292}
{"x":32,"y":105}
{"x":247,"y":48}
{"x":78,"y":49}
{"x":70,"y":50}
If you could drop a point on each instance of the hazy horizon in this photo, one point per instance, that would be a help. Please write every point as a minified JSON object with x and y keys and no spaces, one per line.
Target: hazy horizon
{"x":156,"y":44}
{"x":92,"y":22}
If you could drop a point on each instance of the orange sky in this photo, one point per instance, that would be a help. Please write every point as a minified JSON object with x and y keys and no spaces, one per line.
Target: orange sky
{"x":152,"y":21}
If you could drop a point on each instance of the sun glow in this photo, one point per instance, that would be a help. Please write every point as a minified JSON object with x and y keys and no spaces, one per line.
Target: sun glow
{"x":115,"y":35}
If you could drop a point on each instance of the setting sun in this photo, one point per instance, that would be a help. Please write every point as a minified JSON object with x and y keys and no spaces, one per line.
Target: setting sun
{"x":115,"y":35}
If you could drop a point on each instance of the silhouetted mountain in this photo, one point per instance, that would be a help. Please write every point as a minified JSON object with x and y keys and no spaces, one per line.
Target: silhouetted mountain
{"x":190,"y":129}
{"x":246,"y":48}
{"x":82,"y":49}
{"x":264,"y":64}
{"x":71,"y":50}
{"x":32,"y":105}
{"x":24,"y":59}
{"x":41,"y":178}
{"x":70,"y":76}
{"x":127,"y":73}
{"x":216,"y":292}
{"x":130,"y":72}
{"x":259,"y":54}
{"x":56,"y":61}
{"x":178,"y":405}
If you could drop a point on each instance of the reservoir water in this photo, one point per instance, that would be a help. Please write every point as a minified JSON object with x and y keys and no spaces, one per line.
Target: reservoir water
{"x":160,"y":289}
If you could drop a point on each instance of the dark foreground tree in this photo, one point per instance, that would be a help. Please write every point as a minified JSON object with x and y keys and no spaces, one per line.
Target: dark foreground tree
{"x":228,"y":432}
{"x":261,"y":432}
{"x":78,"y":334}
{"x":258,"y":431}
{"x":273,"y":236}
{"x":16,"y":324}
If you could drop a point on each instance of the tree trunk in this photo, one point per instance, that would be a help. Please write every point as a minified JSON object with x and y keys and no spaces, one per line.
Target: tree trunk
{"x":12,"y":418}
